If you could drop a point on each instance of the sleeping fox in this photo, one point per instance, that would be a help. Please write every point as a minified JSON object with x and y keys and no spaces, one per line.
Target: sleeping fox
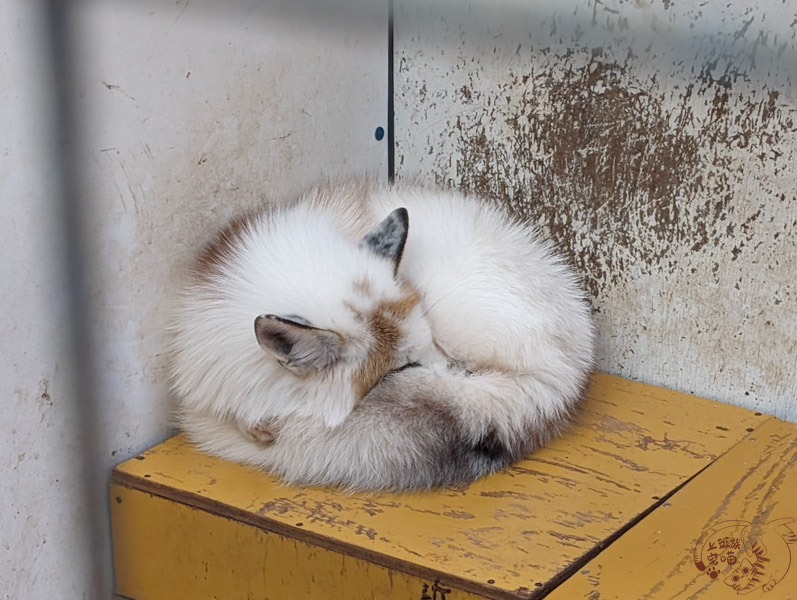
{"x":379,"y":338}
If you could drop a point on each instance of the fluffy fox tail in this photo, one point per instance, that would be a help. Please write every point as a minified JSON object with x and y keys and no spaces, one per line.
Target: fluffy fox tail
{"x":416,"y":429}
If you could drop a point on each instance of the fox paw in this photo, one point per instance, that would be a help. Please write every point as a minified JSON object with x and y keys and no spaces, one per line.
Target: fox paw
{"x":264,"y":433}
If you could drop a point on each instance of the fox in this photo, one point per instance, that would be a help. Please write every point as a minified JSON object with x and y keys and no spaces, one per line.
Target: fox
{"x":375,"y":337}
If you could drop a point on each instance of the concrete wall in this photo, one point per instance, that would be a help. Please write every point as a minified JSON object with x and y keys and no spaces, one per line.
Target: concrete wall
{"x":190,"y":113}
{"x":655,"y":141}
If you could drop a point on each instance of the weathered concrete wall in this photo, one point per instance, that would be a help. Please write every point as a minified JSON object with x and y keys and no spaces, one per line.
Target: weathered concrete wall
{"x":191,"y":111}
{"x":655,"y":142}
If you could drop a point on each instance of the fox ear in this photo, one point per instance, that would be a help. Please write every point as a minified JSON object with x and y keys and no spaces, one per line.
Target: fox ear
{"x":388,"y":238}
{"x":297,"y":345}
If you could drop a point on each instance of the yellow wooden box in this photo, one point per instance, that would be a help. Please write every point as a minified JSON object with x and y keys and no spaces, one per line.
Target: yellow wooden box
{"x":613,"y":509}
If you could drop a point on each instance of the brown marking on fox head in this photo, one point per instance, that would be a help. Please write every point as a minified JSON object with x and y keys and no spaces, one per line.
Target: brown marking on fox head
{"x":384,"y":324}
{"x":219,"y":251}
{"x":363,"y":286}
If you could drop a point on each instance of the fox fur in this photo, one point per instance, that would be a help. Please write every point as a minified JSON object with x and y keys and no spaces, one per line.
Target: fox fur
{"x":379,"y":338}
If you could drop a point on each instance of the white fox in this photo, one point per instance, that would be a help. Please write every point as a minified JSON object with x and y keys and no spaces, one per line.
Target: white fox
{"x":379,"y":338}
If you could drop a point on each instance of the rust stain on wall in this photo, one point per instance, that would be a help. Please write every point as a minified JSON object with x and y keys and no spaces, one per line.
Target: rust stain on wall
{"x":593,"y":153}
{"x":657,"y":156}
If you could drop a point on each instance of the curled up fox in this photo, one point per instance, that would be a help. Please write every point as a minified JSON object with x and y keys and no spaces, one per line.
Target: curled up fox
{"x":379,"y":338}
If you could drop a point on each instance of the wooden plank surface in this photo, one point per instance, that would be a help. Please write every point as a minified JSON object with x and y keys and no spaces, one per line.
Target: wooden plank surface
{"x":166,"y":550}
{"x":755,"y":482}
{"x":513,"y":535}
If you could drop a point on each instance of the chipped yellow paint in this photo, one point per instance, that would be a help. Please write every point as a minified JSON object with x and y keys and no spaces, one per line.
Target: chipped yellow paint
{"x":755,"y":482}
{"x":170,"y":551}
{"x":512,"y":535}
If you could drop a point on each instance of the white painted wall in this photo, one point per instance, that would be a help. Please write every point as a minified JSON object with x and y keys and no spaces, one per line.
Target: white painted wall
{"x":190,"y":112}
{"x":655,"y":141}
